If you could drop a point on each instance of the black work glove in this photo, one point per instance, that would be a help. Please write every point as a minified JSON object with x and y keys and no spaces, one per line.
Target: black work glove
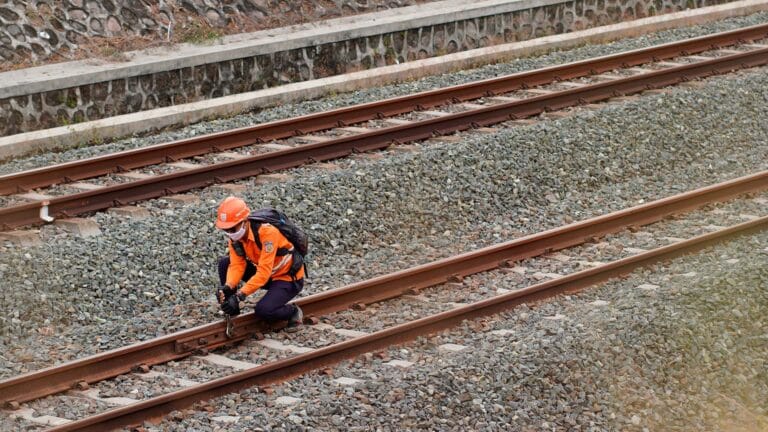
{"x":223,"y":293}
{"x":231,"y":305}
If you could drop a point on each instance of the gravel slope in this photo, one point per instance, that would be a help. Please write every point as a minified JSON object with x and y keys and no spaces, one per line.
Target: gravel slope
{"x":688,"y":355}
{"x":370,"y":218}
{"x":72,"y":296}
{"x":352,"y":98}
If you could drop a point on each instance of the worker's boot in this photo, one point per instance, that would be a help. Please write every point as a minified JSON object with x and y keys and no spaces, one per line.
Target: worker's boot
{"x":296,"y":320}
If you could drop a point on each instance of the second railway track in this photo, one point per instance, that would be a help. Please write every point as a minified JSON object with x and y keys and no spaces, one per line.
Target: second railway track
{"x":536,"y":278}
{"x":360,"y":139}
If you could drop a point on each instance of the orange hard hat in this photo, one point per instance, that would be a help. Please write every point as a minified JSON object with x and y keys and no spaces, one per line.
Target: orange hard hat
{"x":232,"y":211}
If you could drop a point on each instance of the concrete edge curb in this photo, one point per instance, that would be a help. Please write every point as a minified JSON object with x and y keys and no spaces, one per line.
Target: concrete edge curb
{"x":179,"y":115}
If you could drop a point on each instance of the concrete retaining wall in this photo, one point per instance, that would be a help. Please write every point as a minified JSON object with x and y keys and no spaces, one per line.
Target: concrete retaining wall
{"x":133,"y":89}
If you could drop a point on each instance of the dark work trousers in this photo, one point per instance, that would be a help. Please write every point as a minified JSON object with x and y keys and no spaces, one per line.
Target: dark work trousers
{"x":271,"y":307}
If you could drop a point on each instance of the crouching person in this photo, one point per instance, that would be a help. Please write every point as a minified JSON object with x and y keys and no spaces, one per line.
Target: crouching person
{"x":262,"y":257}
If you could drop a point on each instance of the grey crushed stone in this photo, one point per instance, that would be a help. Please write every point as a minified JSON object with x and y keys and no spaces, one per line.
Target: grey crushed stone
{"x":688,"y":356}
{"x":147,"y":278}
{"x":379,"y":93}
{"x":377,"y":216}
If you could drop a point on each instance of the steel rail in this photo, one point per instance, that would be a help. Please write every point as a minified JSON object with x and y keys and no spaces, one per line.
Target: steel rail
{"x":105,"y":365}
{"x":26,"y":214}
{"x":285,"y":369}
{"x":131,"y":159}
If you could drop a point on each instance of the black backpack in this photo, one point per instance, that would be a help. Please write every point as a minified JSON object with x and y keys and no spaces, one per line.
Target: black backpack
{"x":290,"y":230}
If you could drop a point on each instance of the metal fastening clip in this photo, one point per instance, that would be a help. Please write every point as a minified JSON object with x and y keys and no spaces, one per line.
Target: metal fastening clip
{"x":44,"y":211}
{"x":230,"y":327}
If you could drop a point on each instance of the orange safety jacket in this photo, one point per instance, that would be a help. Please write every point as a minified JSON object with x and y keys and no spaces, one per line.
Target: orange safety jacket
{"x":269,"y":266}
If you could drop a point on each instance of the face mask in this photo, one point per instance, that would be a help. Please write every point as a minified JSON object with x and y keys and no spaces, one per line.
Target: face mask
{"x":236,"y":235}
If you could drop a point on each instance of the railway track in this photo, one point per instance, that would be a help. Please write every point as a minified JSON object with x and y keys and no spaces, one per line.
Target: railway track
{"x":362,"y":128}
{"x":536,"y":267}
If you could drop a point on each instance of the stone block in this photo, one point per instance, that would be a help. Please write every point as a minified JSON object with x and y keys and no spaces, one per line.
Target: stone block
{"x":279,"y":346}
{"x":355,"y":129}
{"x":449,"y":347}
{"x":635,"y":250}
{"x":83,"y":186}
{"x":502,"y":99}
{"x":275,"y":146}
{"x":556,"y":115}
{"x":132,"y":212}
{"x":570,"y":84}
{"x":271,"y":178}
{"x":403,"y":148}
{"x":221,"y":360}
{"x":447,"y":138}
{"x":47,"y":420}
{"x":349,"y":333}
{"x":624,"y":98}
{"x":539,"y":92}
{"x":655,"y":91}
{"x":502,"y":332}
{"x":399,"y":363}
{"x":522,"y":122}
{"x":287,"y":400}
{"x":433,"y":113}
{"x":693,"y":84}
{"x":608,"y":77}
{"x":369,"y":156}
{"x":95,"y":395}
{"x":22,"y":238}
{"x":134,"y":175}
{"x":558,"y":257}
{"x":541,"y":276}
{"x":231,"y":188}
{"x":34,"y":196}
{"x":79,"y":226}
{"x":313,"y":139}
{"x":396,"y":122}
{"x":232,"y":155}
{"x":326,"y":166}
{"x":184,"y":199}
{"x":226,"y":419}
{"x":184,"y":165}
{"x":347,"y":381}
{"x":469,"y":106}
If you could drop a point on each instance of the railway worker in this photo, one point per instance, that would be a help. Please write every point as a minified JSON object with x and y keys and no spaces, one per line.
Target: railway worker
{"x":262,"y":260}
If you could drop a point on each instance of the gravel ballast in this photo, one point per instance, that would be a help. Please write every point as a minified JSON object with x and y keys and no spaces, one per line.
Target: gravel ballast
{"x":379,"y":93}
{"x":139,"y":279}
{"x":144,"y":278}
{"x":685,"y":355}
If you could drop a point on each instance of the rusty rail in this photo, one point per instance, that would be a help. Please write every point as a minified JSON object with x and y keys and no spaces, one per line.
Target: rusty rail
{"x":284,"y":369}
{"x":131,"y":159}
{"x":159,"y":186}
{"x":55,"y":379}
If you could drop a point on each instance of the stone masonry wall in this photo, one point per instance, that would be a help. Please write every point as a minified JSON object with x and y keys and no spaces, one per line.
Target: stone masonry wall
{"x":104,"y":99}
{"x":43,"y":29}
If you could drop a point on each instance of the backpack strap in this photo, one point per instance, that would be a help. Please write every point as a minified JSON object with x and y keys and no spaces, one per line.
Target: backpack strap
{"x":255,"y":225}
{"x":239,"y":249}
